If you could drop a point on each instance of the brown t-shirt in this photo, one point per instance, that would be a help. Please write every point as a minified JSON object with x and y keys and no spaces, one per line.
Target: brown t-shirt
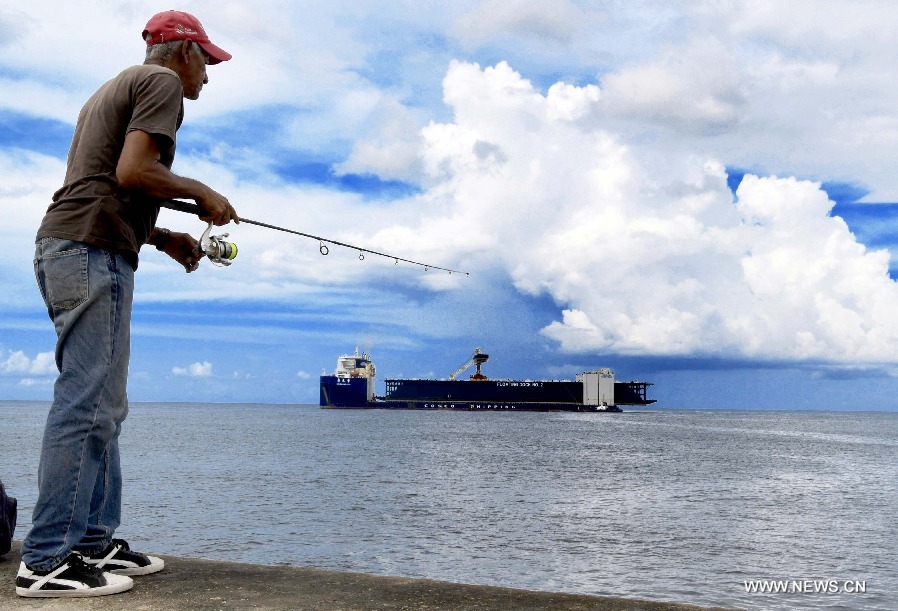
{"x":91,"y":207}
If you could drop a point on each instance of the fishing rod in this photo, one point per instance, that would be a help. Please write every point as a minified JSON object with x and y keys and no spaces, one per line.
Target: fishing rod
{"x":222,"y":252}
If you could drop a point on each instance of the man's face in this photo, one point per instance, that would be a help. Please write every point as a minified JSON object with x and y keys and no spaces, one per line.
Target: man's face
{"x":193,"y":76}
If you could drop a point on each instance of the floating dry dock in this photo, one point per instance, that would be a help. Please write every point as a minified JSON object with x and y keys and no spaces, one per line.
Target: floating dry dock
{"x":352,"y":385}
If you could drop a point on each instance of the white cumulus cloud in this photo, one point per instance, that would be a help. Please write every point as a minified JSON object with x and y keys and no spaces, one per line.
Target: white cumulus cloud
{"x":697,"y":88}
{"x":554,"y":21}
{"x":648,"y":254}
{"x":18,"y":363}
{"x":195,"y":370}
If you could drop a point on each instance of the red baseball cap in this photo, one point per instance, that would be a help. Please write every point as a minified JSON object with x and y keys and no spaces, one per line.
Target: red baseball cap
{"x":178,"y":25}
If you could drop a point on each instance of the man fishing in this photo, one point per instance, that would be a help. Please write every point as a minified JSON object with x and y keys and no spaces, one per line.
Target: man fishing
{"x":118,"y":170}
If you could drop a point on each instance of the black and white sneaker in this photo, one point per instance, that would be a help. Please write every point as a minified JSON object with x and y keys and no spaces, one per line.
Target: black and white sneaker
{"x":119,"y":559}
{"x":72,"y":578}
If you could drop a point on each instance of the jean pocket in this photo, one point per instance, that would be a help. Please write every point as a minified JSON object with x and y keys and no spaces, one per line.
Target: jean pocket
{"x":65,"y":278}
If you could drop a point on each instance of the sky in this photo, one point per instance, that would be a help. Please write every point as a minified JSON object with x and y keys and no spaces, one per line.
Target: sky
{"x":698,"y":194}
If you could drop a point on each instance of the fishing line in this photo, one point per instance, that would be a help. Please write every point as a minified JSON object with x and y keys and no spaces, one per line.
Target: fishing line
{"x":181,"y":206}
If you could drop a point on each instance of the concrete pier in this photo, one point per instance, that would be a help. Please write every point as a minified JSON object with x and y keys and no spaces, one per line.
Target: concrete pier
{"x":200,"y":585}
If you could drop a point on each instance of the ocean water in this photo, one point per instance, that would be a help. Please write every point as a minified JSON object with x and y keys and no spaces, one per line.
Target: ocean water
{"x":684,"y":505}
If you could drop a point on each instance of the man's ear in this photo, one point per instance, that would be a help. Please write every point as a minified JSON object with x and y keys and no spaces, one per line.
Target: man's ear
{"x":185,"y":50}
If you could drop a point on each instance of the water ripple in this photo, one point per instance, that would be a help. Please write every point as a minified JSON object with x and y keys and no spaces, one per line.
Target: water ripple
{"x":683,"y":505}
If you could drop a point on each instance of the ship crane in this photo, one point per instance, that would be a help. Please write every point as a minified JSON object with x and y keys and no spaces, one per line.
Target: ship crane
{"x":478,"y":359}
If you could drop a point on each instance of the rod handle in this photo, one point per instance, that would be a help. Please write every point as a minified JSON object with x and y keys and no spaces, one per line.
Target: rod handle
{"x":181,"y":206}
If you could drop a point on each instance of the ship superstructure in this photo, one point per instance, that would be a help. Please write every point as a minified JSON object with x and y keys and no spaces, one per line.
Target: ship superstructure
{"x":352,"y":386}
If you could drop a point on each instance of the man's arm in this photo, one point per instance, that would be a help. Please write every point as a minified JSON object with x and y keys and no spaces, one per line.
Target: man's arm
{"x":139,"y":169}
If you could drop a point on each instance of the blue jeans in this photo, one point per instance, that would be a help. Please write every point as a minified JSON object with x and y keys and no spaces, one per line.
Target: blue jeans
{"x":88,"y":293}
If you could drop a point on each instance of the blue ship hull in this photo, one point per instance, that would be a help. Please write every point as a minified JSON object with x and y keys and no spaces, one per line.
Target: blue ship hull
{"x":511,"y":395}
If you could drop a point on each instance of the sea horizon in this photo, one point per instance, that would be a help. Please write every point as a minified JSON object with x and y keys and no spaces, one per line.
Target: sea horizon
{"x":624,"y":409}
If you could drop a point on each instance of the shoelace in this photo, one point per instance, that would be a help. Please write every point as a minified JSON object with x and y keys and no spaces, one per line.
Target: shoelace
{"x":77,"y":561}
{"x":122,"y":544}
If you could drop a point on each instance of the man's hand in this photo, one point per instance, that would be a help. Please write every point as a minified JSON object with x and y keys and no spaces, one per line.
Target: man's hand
{"x":216,"y":208}
{"x":184,"y":249}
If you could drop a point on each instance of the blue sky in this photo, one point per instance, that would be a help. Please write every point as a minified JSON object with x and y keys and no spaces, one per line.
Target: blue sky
{"x":696,"y":194}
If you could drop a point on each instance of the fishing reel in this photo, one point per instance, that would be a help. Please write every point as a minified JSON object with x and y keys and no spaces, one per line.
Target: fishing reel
{"x":219,"y":251}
